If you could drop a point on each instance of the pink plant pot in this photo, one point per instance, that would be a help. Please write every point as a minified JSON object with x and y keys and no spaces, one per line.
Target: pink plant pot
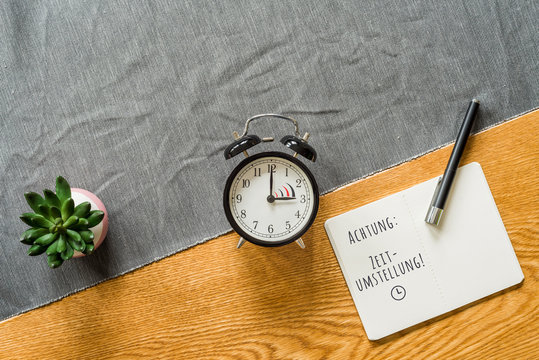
{"x":100,"y":230}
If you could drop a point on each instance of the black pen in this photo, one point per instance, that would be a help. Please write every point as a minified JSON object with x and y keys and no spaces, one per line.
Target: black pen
{"x":439,"y":198}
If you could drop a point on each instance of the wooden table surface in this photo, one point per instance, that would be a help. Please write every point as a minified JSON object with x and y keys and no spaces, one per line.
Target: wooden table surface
{"x":215,"y":302}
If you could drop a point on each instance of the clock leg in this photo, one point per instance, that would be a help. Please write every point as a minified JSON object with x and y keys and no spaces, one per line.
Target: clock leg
{"x":300,"y":243}
{"x":240,"y":243}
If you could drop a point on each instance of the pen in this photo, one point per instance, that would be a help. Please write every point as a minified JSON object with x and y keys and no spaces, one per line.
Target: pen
{"x":436,"y":208}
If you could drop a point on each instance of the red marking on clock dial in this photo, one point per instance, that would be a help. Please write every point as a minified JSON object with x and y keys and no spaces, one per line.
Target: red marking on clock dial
{"x":289,"y":190}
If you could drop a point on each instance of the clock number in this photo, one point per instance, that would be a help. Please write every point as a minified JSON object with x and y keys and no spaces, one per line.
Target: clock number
{"x":270,"y":228}
{"x":271,"y":167}
{"x":243,"y":214}
{"x":238,"y":198}
{"x":298,"y":182}
{"x":297,"y":214}
{"x":258,"y":171}
{"x":302,"y":199}
{"x":256,"y":224}
{"x":246,"y":183}
{"x":286,"y":172}
{"x":287,"y":225}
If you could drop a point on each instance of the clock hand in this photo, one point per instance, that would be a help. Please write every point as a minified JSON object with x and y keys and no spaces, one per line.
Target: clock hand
{"x":285,"y":198}
{"x":270,"y":197}
{"x":271,"y":182}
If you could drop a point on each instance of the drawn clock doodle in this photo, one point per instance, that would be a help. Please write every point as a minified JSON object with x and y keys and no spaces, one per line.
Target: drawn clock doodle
{"x":271,"y":198}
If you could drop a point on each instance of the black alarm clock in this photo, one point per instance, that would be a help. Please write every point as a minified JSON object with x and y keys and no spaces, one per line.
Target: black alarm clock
{"x":271,"y":198}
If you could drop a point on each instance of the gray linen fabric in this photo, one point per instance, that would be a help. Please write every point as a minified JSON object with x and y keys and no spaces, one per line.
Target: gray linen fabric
{"x":135,"y":101}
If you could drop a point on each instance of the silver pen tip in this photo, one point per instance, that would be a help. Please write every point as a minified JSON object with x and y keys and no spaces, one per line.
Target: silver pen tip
{"x":434,"y":215}
{"x":476,"y":101}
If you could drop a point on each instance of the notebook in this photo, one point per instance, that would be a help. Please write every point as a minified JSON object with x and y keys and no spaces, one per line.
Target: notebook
{"x":402,"y":271}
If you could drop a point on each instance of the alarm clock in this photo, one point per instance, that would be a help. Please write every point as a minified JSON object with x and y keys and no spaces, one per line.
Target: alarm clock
{"x":271,"y":198}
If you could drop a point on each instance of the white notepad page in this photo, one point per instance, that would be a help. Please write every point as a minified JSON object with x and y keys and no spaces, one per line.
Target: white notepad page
{"x":402,"y":271}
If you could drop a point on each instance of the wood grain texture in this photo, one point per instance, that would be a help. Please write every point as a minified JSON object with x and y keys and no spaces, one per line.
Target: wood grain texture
{"x":215,"y":302}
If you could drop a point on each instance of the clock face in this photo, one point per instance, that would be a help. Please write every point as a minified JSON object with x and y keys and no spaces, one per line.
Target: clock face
{"x":271,"y":199}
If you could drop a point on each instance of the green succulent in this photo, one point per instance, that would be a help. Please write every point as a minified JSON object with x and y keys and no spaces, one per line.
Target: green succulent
{"x":58,"y":227}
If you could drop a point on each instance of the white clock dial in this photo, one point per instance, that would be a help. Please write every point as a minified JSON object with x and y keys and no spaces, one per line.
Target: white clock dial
{"x":272,"y":199}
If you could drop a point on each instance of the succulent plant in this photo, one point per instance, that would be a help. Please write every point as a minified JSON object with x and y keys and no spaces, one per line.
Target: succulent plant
{"x":58,"y":227}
